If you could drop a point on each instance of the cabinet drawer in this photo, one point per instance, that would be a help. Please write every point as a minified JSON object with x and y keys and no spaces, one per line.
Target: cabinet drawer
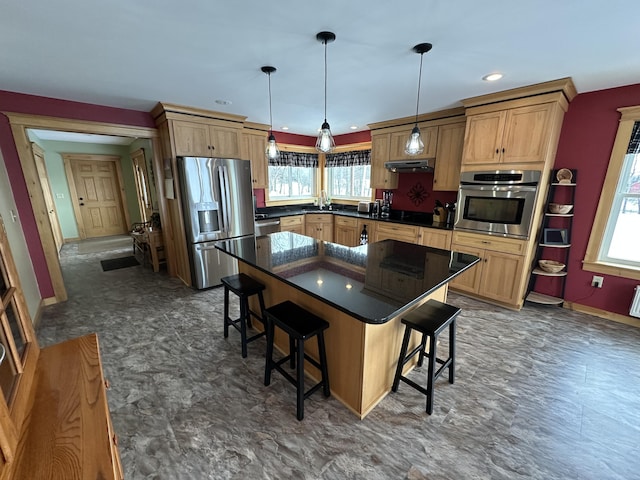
{"x":346,"y":221}
{"x":488,"y":242}
{"x":405,"y":233}
{"x":291,"y":221}
{"x":319,"y":218}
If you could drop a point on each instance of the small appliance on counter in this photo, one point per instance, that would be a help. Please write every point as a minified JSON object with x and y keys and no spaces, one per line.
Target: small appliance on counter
{"x":387,"y":199}
{"x":364,"y":207}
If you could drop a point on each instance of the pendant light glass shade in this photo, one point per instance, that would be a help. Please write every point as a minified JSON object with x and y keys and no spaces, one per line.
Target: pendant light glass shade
{"x":272,"y":152}
{"x":415,"y":145}
{"x":325,"y":142}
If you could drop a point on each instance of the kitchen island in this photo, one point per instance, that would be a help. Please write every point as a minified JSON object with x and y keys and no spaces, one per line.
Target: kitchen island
{"x":361,"y":291}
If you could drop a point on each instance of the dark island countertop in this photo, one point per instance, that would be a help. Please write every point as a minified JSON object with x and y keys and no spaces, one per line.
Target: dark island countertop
{"x":373,"y":283}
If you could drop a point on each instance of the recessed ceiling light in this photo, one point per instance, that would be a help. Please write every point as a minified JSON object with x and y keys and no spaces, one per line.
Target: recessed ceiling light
{"x":492,"y":77}
{"x":285,"y":128}
{"x":223,"y":102}
{"x":353,"y":127}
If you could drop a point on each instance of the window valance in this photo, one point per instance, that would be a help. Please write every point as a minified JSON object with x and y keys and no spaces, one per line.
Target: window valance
{"x":349,"y":159}
{"x":295,"y":159}
{"x":634,"y":143}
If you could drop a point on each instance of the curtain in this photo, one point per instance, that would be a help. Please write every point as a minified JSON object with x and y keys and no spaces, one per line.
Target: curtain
{"x":295,"y":159}
{"x":349,"y":159}
{"x":634,"y":143}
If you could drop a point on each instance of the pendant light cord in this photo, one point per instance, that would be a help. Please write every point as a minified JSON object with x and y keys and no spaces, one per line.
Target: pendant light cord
{"x":419,"y":81}
{"x":325,"y":81}
{"x":270,"y":114}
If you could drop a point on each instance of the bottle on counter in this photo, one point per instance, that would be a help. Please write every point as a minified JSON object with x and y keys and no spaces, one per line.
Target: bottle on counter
{"x":364,"y":236}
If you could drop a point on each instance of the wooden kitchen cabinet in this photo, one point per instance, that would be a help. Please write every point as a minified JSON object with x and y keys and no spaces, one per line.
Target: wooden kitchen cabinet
{"x":381,"y":177}
{"x":206,"y":140}
{"x":294,"y":223}
{"x":446,"y":176}
{"x":319,"y":226}
{"x":516,"y":135}
{"x":435,"y":238}
{"x":346,"y":231}
{"x":396,"y":231}
{"x":254,"y":145}
{"x":398,"y":141}
{"x":501,"y":272}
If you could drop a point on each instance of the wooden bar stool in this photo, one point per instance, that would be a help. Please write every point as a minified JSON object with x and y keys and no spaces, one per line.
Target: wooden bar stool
{"x":430,"y":319}
{"x":301,"y":325}
{"x":244,"y":287}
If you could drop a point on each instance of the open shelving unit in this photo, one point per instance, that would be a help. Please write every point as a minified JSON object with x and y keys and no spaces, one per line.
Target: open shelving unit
{"x":555,"y":236}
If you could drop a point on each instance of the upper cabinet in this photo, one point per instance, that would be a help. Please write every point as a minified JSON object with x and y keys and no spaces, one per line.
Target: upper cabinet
{"x":254,"y":144}
{"x":399,"y":139}
{"x":206,"y":140}
{"x":516,"y":129}
{"x":380,"y":176}
{"x":442,"y":134}
{"x":448,"y":156}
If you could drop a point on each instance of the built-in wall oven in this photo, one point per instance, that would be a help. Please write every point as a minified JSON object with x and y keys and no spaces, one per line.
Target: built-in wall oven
{"x":497,"y":202}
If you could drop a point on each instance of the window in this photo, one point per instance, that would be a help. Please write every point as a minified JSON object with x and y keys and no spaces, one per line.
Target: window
{"x":611,"y":246}
{"x":349,"y":175}
{"x":293,"y":176}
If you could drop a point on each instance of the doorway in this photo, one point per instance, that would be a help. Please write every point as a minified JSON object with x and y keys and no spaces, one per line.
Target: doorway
{"x":20,"y":124}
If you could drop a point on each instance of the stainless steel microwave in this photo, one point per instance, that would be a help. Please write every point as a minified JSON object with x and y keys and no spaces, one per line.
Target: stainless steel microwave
{"x":497,"y":202}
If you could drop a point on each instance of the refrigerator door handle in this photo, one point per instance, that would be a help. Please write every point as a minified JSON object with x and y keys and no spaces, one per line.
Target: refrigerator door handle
{"x":224,"y":195}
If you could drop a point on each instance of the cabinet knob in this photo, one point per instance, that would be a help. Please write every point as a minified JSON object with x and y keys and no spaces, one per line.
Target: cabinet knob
{"x":503,"y":150}
{"x":497,"y":150}
{"x":107,"y":384}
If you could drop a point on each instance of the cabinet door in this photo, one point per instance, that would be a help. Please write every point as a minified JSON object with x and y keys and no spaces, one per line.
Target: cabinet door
{"x":469,"y":281}
{"x":326,"y":232}
{"x":263,"y":251}
{"x":483,"y":138}
{"x":449,"y":157}
{"x":346,"y":235}
{"x":398,"y":141}
{"x":191,"y":139}
{"x":255,"y":146}
{"x":225,"y":142}
{"x":501,"y":277}
{"x":380,"y":176}
{"x":435,"y":238}
{"x":526,"y":135}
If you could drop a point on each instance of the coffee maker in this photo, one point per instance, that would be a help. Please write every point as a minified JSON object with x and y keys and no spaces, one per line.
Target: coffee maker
{"x":387,"y":198}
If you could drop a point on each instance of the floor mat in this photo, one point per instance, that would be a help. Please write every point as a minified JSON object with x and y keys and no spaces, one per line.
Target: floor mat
{"x":115,"y":263}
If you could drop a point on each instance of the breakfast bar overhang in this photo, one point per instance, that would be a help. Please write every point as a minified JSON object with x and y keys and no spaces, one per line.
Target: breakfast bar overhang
{"x":361,"y":291}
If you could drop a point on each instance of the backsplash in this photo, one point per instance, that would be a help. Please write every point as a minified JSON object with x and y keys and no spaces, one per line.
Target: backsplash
{"x":415,"y":193}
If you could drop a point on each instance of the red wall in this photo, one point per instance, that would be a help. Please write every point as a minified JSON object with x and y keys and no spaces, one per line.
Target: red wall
{"x":586,"y":140}
{"x":29,"y":104}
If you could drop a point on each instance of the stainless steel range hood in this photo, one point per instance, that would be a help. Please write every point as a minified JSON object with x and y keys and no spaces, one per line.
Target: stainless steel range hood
{"x":404,"y":166}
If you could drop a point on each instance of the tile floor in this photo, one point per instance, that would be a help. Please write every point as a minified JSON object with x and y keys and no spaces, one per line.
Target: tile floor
{"x":544,"y":393}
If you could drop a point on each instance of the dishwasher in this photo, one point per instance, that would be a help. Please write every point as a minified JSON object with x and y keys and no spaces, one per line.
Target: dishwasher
{"x":265,"y":226}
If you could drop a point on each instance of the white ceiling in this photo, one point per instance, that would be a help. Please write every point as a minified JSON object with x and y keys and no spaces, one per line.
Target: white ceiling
{"x":132,"y":54}
{"x":81,"y":137}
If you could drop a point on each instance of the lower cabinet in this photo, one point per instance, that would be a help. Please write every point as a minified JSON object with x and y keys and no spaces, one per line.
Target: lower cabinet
{"x":435,"y":238}
{"x":346,"y":231}
{"x":500,"y":275}
{"x":293,"y":224}
{"x":396,"y":231}
{"x":319,"y":226}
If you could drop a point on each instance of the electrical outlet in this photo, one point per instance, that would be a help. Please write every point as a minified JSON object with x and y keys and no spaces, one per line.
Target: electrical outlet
{"x":596,"y":281}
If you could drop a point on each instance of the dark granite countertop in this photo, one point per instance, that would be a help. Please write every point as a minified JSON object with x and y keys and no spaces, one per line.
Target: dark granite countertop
{"x":419,"y":219}
{"x":373,"y":283}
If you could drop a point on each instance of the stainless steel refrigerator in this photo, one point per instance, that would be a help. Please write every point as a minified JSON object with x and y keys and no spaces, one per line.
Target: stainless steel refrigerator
{"x":217,"y":202}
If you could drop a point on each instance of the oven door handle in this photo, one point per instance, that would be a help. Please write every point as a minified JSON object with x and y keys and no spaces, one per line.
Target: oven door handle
{"x":495,"y":188}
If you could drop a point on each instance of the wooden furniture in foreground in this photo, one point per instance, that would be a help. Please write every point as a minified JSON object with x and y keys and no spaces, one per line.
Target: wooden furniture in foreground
{"x":430,"y":320}
{"x":54,"y":418}
{"x":300,"y":325}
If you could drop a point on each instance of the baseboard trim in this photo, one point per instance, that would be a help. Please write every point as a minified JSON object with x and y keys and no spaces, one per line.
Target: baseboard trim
{"x":616,"y":317}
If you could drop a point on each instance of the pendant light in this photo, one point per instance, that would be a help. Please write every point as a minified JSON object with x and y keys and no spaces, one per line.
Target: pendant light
{"x":325,"y":142}
{"x":414,"y":145}
{"x":272,"y":151}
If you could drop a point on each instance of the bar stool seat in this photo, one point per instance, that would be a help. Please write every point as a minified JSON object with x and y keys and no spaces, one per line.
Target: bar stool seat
{"x":430,"y":319}
{"x":300,"y":325}
{"x":244,"y":287}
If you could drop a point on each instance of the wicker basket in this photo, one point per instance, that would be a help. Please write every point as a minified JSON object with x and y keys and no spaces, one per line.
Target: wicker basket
{"x":551,"y":266}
